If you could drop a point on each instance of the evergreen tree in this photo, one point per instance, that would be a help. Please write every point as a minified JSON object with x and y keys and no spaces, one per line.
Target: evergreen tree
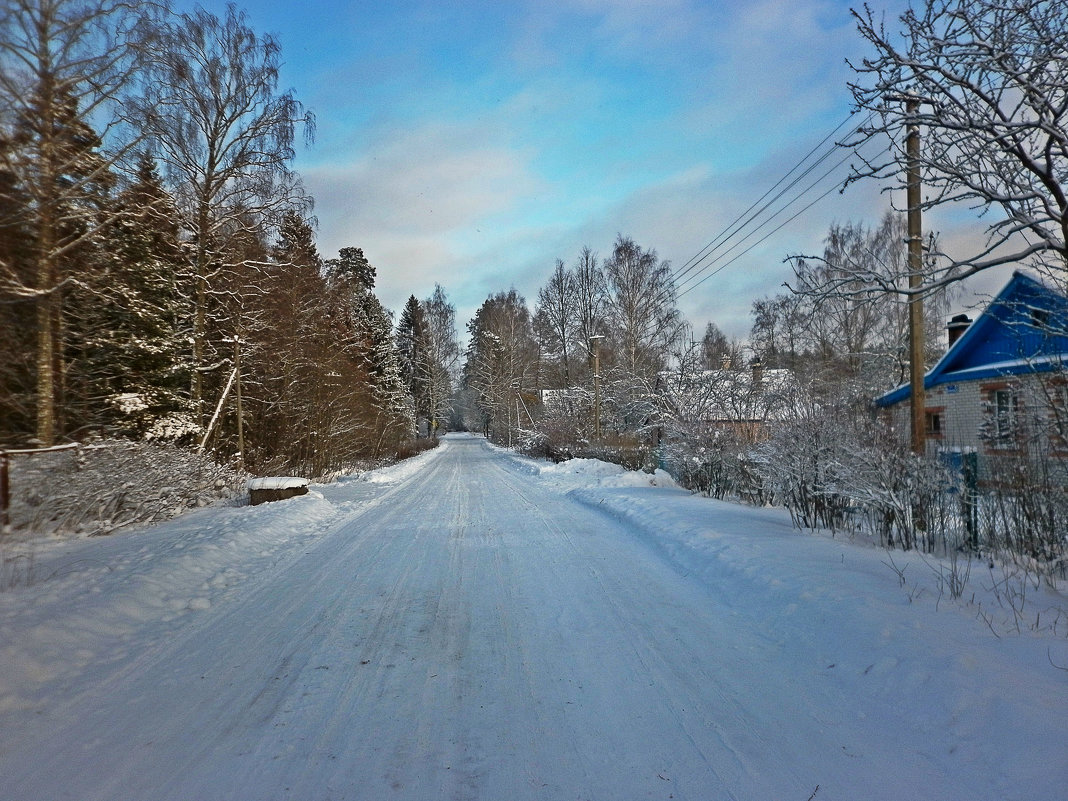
{"x":136,"y":339}
{"x":392,"y":412}
{"x":382,"y":403}
{"x":61,"y":62}
{"x":17,"y":312}
{"x":352,"y":266}
{"x":413,"y":348}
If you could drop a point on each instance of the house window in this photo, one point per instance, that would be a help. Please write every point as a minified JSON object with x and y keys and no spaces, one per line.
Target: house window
{"x":933,"y":423}
{"x":1004,"y":406}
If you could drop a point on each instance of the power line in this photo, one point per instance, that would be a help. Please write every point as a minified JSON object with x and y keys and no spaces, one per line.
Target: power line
{"x":727,"y":232}
{"x":763,"y":239}
{"x":775,"y":215}
{"x":733,"y":230}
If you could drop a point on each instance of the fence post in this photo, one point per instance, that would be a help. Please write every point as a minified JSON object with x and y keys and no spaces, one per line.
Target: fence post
{"x":5,"y":494}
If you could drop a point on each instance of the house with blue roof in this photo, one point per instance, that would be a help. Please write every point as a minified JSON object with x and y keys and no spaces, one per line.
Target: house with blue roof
{"x":1001,"y":389}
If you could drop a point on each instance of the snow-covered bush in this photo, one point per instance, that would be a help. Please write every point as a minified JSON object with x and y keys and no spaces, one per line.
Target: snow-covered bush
{"x":716,"y":464}
{"x":834,"y":470}
{"x":800,"y":464}
{"x":100,"y":487}
{"x":1023,"y":517}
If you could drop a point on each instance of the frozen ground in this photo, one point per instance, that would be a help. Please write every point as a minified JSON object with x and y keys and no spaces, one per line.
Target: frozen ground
{"x":470,"y":625}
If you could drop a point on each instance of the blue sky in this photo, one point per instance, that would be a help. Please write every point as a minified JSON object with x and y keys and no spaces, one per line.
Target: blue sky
{"x":474,"y":143}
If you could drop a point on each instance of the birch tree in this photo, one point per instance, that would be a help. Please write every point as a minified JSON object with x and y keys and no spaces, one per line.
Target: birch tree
{"x":640,"y":307}
{"x":590,"y":298}
{"x":555,"y":320}
{"x":225,"y":135}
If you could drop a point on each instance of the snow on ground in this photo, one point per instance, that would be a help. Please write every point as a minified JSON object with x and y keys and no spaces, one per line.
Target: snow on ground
{"x":471,"y":624}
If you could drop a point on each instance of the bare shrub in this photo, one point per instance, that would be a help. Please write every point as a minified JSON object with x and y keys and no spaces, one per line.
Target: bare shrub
{"x":98,"y":488}
{"x":414,"y":447}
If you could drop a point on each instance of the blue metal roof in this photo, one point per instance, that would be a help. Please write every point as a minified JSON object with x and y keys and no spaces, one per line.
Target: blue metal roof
{"x":1024,"y":330}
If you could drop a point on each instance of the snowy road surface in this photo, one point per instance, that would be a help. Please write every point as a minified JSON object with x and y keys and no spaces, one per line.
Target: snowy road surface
{"x":463,"y":627}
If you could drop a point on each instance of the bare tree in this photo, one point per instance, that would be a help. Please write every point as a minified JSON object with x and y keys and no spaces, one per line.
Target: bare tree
{"x":717,"y":351}
{"x":555,"y":318}
{"x":845,"y":319}
{"x":989,"y":85}
{"x":640,"y":306}
{"x":443,"y":355}
{"x":62,"y":64}
{"x":590,"y":298}
{"x":225,"y":136}
{"x":502,"y":360}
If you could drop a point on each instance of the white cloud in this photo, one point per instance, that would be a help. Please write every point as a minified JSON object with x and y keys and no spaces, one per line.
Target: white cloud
{"x":415,"y":199}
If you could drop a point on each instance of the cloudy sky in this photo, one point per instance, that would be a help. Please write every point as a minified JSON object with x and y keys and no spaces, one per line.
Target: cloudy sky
{"x":473,"y":144}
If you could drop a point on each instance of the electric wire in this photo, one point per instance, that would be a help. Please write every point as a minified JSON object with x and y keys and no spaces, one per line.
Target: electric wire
{"x":727,"y":232}
{"x":800,"y":195}
{"x":694,"y":279}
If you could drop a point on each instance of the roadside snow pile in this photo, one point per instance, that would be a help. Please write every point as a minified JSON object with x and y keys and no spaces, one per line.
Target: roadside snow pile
{"x":707,"y":537}
{"x":592,"y":472}
{"x":591,"y":468}
{"x":395,"y":473}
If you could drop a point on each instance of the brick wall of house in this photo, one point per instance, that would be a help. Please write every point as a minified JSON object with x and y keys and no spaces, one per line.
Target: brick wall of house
{"x":966,"y":411}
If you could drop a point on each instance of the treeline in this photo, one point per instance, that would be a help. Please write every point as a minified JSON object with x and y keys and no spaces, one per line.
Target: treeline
{"x":159,"y":277}
{"x":618,"y":313}
{"x":843,"y":342}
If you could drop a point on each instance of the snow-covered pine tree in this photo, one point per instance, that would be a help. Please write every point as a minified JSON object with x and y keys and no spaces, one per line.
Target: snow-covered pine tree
{"x":137,"y":356}
{"x":63,"y":60}
{"x":17,"y":314}
{"x":291,"y":357}
{"x":384,"y":407}
{"x":74,"y":224}
{"x":413,"y":350}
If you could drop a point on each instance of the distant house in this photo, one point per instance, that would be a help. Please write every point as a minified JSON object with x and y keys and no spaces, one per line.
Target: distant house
{"x":1001,"y":389}
{"x":740,"y":402}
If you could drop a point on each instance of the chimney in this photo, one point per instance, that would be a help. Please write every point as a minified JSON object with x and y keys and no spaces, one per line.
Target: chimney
{"x":957,"y":326}
{"x":757,"y":367}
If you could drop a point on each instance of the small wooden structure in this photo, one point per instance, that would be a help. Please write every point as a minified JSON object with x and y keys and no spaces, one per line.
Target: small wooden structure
{"x":275,"y":488}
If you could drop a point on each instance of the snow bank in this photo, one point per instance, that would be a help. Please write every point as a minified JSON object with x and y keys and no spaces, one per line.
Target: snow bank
{"x":400,"y":471}
{"x":576,"y":473}
{"x":85,"y":598}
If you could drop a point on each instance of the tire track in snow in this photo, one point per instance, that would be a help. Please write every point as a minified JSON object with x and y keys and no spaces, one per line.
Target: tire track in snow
{"x":659,"y":656}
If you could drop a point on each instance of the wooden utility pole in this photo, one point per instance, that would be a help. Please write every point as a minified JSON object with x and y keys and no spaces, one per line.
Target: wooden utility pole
{"x":240,"y":411}
{"x":915,"y":250}
{"x":596,"y":339}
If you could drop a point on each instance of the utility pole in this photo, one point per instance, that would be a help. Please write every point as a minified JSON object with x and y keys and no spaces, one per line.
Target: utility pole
{"x":915,"y":250}
{"x":240,"y":411}
{"x":596,"y":340}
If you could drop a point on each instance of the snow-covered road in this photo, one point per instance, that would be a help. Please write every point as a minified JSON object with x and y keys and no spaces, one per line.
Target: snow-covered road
{"x":465,"y":628}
